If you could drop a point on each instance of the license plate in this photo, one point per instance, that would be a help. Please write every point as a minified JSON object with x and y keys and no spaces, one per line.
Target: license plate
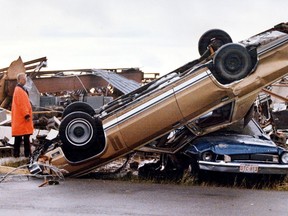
{"x":248,"y":168}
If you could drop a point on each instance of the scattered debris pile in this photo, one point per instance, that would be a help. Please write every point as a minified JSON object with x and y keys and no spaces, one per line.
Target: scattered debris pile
{"x":271,"y":111}
{"x":51,"y":91}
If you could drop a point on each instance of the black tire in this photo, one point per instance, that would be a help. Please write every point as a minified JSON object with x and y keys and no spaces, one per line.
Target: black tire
{"x":78,"y":130}
{"x":231,"y":62}
{"x":82,"y":136}
{"x":78,"y":106}
{"x":220,"y":38}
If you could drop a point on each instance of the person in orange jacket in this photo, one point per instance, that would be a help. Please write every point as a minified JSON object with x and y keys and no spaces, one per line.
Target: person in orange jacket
{"x":22,"y":122}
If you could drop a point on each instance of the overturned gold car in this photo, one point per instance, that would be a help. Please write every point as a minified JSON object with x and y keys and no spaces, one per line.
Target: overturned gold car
{"x":203,"y":95}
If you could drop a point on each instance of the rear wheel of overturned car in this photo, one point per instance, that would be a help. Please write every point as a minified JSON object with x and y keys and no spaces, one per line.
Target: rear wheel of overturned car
{"x":231,"y":62}
{"x":214,"y":37}
{"x":82,"y":136}
{"x":78,"y":130}
{"x":78,"y":106}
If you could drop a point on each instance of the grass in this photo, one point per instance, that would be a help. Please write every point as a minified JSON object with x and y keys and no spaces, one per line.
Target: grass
{"x":216,"y":179}
{"x":13,"y":162}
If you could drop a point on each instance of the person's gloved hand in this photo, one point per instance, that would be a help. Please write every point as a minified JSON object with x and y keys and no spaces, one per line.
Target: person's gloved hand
{"x":27,"y":117}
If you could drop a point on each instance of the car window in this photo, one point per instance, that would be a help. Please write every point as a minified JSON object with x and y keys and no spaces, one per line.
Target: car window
{"x":217,"y":116}
{"x":252,"y":128}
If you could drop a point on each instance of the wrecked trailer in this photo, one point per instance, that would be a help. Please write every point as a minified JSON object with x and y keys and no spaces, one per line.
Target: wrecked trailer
{"x":204,"y":95}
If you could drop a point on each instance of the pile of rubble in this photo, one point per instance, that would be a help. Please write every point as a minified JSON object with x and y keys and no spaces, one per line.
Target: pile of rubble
{"x":51,"y":91}
{"x":271,"y":111}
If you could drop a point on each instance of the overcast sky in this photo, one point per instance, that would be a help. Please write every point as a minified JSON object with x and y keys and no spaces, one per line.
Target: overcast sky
{"x":154,"y":35}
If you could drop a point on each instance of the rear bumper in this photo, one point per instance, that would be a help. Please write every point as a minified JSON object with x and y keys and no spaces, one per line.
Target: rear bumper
{"x":244,"y":167}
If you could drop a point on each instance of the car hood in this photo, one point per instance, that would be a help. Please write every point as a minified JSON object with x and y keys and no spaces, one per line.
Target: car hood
{"x":232,"y":144}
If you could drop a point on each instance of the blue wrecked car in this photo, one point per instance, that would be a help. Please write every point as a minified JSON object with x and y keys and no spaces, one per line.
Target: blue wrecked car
{"x":239,"y":148}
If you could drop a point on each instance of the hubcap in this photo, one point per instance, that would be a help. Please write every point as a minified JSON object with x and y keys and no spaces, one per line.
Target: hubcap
{"x":233,"y":63}
{"x":79,"y":132}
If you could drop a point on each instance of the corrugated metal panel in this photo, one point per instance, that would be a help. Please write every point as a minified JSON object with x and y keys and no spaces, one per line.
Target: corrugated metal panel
{"x":121,"y":83}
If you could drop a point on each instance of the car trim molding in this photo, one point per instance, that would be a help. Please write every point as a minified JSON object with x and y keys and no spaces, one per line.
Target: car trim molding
{"x":190,"y":82}
{"x":157,"y":100}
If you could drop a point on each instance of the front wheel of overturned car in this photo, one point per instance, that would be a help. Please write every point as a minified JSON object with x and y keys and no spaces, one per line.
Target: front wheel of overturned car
{"x":215,"y":38}
{"x":231,"y":62}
